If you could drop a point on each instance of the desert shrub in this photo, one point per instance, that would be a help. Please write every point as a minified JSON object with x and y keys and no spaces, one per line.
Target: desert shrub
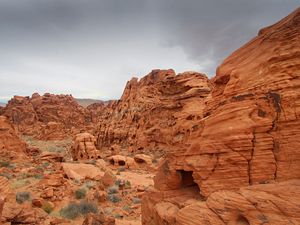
{"x":118,"y":216}
{"x":121,"y":169}
{"x":22,"y":197}
{"x":86,"y":207}
{"x":47,"y":207}
{"x":20,"y":183}
{"x":117,"y":183}
{"x":80,"y":193}
{"x":127,"y":184}
{"x":73,"y":210}
{"x":113,"y":190}
{"x":7,"y":175}
{"x":38,"y":176}
{"x":88,"y":184}
{"x":4,"y":164}
{"x":45,"y":164}
{"x":114,"y":198}
{"x":136,"y":200}
{"x":127,"y":208}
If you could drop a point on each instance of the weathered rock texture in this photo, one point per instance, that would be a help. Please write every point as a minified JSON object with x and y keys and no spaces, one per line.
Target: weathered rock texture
{"x":46,"y":117}
{"x":276,"y":203}
{"x":250,"y":130}
{"x":84,"y":147}
{"x":154,"y":113}
{"x":10,"y":143}
{"x":96,"y":110}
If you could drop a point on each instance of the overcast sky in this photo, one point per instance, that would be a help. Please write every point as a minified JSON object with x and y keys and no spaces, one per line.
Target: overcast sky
{"x":90,"y":48}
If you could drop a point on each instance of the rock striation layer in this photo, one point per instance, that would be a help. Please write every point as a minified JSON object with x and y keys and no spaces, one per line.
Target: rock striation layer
{"x":276,"y":203}
{"x":11,"y":146}
{"x":84,"y":147}
{"x":155,"y":113}
{"x":248,"y":134}
{"x":46,"y":117}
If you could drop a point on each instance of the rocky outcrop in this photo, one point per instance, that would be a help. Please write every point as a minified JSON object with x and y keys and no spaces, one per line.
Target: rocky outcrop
{"x":4,"y":190}
{"x":84,"y":147}
{"x":81,"y":171}
{"x":155,"y":113}
{"x":46,"y":117}
{"x":10,"y":143}
{"x":248,"y":135}
{"x":276,"y":203}
{"x":96,"y":110}
{"x":101,"y":218}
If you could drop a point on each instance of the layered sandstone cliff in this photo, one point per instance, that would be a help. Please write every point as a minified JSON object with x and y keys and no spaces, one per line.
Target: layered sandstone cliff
{"x":11,"y":146}
{"x":248,"y":136}
{"x":48,"y":116}
{"x":155,"y":113}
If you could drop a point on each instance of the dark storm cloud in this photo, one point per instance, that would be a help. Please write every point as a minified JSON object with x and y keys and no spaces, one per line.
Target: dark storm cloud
{"x":91,"y":47}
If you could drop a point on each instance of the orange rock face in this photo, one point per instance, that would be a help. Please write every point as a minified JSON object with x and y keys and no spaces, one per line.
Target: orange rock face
{"x":47,"y":117}
{"x":276,"y":203}
{"x":96,"y":110}
{"x":248,"y":136}
{"x":84,"y":147}
{"x":155,"y":113}
{"x":10,"y":143}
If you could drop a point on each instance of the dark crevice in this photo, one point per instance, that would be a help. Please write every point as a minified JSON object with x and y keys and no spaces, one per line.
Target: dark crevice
{"x":277,"y":105}
{"x":250,"y":160}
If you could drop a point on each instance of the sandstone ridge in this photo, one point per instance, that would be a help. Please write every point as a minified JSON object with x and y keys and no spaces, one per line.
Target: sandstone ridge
{"x":249,"y":136}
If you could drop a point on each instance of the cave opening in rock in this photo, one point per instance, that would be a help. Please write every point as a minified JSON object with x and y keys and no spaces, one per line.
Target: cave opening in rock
{"x":121,"y":163}
{"x":241,"y":220}
{"x":139,"y":160}
{"x":187,"y":179}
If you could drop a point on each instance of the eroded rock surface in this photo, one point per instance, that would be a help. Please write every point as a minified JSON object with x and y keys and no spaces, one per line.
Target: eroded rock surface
{"x":155,"y":113}
{"x":276,"y":203}
{"x":251,"y":126}
{"x":84,"y":147}
{"x":10,"y":143}
{"x":248,"y":136}
{"x":46,"y":117}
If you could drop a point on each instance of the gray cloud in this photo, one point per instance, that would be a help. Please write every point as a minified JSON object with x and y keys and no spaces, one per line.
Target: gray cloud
{"x":90,"y":48}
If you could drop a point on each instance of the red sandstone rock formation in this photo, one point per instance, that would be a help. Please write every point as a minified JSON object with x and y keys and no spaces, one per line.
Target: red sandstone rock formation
{"x":157,"y":112}
{"x":276,"y":203}
{"x":96,"y":110}
{"x":84,"y":147}
{"x":249,"y":135}
{"x":48,"y":116}
{"x":10,"y":143}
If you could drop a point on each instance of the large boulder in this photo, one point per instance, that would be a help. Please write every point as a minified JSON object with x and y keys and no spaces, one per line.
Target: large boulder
{"x":81,"y":171}
{"x":84,"y":147}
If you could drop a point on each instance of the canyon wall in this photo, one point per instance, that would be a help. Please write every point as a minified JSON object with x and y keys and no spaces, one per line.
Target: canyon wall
{"x":155,"y":113}
{"x":249,"y":135}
